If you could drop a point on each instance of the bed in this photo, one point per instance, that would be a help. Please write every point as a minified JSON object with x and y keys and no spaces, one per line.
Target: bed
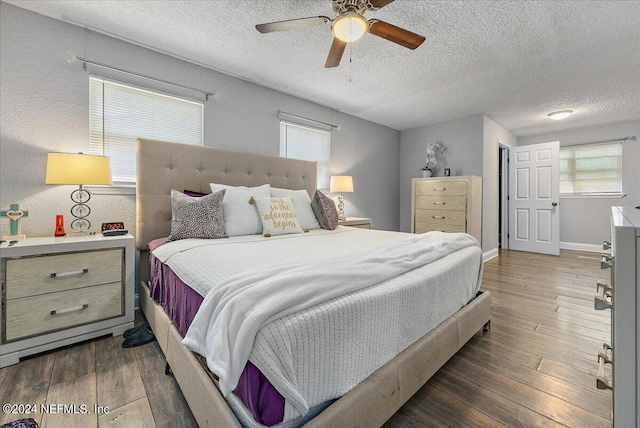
{"x":163,"y":166}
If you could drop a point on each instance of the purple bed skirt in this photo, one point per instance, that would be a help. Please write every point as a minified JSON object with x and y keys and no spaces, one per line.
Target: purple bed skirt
{"x":181,"y":303}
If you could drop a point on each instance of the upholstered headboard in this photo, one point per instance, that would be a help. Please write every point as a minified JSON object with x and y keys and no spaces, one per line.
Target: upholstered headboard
{"x":162,"y":166}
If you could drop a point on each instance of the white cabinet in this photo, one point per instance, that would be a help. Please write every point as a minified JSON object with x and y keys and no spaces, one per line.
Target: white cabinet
{"x":448,"y":204}
{"x":58,"y":291}
{"x":624,"y":297}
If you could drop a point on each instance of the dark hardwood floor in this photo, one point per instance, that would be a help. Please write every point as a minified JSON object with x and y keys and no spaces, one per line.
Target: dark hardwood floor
{"x":536,"y":367}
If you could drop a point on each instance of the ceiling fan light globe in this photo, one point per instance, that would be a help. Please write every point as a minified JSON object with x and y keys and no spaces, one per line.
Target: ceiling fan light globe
{"x":559,"y":115}
{"x":349,"y":27}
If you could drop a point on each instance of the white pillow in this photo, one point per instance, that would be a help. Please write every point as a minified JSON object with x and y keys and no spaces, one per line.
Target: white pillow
{"x":241,"y":217}
{"x":302,"y":204}
{"x":278,"y":216}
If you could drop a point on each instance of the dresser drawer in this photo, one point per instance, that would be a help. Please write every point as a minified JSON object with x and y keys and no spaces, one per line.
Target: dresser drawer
{"x":450,"y":228}
{"x":441,"y":217}
{"x":451,"y":203}
{"x":31,"y":276}
{"x":35,"y":315}
{"x":447,"y":188}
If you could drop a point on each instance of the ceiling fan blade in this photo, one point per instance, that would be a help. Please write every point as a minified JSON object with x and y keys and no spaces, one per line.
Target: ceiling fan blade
{"x":395,"y":34}
{"x":380,"y":3}
{"x":292,"y":24}
{"x":335,"y":53}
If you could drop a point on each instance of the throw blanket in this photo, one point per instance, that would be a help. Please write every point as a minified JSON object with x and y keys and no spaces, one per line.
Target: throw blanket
{"x":231,"y":315}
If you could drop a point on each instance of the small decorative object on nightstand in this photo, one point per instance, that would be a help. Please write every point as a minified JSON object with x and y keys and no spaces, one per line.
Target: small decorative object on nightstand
{"x":341,"y":183}
{"x":58,"y":291}
{"x":361,"y":222}
{"x":14,"y":214}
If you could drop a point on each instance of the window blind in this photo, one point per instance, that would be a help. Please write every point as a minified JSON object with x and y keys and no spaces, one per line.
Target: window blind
{"x":591,"y":169}
{"x":119,"y":114}
{"x":306,"y":143}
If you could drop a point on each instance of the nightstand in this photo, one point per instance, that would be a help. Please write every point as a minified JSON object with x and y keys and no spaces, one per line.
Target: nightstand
{"x":361,"y":222}
{"x":59,"y":291}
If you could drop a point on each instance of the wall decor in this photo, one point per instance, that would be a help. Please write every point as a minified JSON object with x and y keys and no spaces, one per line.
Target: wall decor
{"x":447,"y":172}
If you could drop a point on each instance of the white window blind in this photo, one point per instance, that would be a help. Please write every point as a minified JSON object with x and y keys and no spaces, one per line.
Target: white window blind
{"x":306,"y":143}
{"x":119,"y":114}
{"x":591,"y":169}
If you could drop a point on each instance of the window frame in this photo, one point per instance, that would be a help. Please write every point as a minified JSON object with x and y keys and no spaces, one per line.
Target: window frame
{"x":586,"y":195}
{"x":121,"y":186}
{"x":327,"y":163}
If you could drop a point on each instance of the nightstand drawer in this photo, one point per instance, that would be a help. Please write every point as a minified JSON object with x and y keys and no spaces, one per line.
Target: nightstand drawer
{"x":447,"y":188}
{"x":30,"y":316}
{"x":427,"y":227}
{"x":361,"y":226}
{"x":441,"y":217}
{"x":31,"y":276}
{"x":454,"y":203}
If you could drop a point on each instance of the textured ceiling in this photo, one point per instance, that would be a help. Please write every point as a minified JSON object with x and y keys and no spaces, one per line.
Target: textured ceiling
{"x":514,"y":61}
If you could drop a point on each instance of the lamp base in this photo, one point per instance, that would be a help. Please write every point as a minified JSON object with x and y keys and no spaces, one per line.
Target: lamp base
{"x":341,"y":215}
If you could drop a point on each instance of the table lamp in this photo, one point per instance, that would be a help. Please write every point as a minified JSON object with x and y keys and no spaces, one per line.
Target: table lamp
{"x":341,"y":183}
{"x":79,"y":169}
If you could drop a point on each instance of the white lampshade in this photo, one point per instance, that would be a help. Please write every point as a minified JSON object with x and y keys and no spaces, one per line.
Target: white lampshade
{"x":78,"y":168}
{"x":349,"y":27}
{"x":341,"y":183}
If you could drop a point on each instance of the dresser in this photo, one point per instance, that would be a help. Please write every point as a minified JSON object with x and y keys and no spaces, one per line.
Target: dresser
{"x":620,"y":295}
{"x":58,"y":291}
{"x":448,"y":204}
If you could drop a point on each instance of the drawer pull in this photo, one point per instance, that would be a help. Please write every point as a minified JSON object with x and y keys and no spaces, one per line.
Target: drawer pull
{"x":439,"y":203}
{"x":71,"y":309}
{"x":438,"y":217}
{"x":605,"y":262}
{"x":69,"y":273}
{"x":606,"y":245}
{"x":439,"y":188}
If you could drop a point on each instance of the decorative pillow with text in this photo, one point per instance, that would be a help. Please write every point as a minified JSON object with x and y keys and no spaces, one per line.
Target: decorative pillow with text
{"x":278,"y":216}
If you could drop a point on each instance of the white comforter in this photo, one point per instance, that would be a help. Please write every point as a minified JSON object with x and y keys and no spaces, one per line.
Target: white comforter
{"x":227,"y":329}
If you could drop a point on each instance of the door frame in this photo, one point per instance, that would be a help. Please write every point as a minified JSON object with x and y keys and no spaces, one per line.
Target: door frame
{"x":504,"y":167}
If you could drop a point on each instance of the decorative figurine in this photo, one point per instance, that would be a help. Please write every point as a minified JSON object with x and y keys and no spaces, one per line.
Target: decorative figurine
{"x":14,"y":214}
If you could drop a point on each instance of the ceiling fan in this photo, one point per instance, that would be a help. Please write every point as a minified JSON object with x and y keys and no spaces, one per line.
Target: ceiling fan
{"x":350,"y":25}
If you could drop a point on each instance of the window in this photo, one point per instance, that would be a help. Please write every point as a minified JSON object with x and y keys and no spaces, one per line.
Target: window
{"x":591,"y":169}
{"x":119,"y":114}
{"x":306,"y":143}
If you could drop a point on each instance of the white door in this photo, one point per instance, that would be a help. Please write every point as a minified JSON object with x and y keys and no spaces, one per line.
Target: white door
{"x":534,"y":198}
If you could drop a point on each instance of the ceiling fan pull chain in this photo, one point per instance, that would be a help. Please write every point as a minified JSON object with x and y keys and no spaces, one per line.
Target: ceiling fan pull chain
{"x":350,"y":61}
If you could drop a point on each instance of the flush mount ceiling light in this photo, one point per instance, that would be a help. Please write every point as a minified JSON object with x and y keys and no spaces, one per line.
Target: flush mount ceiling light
{"x":350,"y":27}
{"x":559,"y":115}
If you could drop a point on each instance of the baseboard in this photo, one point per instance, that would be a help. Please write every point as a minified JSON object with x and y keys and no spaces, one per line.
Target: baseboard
{"x":595,"y":248}
{"x":488,"y":255}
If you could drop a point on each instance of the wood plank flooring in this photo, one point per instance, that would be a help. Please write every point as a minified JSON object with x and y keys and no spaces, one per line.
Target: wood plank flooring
{"x":536,"y":367}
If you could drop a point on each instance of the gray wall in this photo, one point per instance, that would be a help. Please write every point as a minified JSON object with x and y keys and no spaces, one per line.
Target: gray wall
{"x":44,"y":107}
{"x":493,"y":133}
{"x":463,"y":140}
{"x":586,"y":220}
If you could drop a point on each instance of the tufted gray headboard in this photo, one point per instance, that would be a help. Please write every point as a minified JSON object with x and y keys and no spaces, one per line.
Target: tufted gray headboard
{"x":162,"y":166}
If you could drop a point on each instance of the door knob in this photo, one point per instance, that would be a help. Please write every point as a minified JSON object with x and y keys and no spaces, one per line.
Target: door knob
{"x":554,"y":204}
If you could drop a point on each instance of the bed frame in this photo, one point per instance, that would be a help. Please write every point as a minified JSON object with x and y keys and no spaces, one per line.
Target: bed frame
{"x":162,"y":166}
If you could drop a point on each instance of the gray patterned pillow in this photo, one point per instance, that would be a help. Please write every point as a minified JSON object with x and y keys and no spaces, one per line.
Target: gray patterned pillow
{"x":325,"y":211}
{"x":197,"y":217}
